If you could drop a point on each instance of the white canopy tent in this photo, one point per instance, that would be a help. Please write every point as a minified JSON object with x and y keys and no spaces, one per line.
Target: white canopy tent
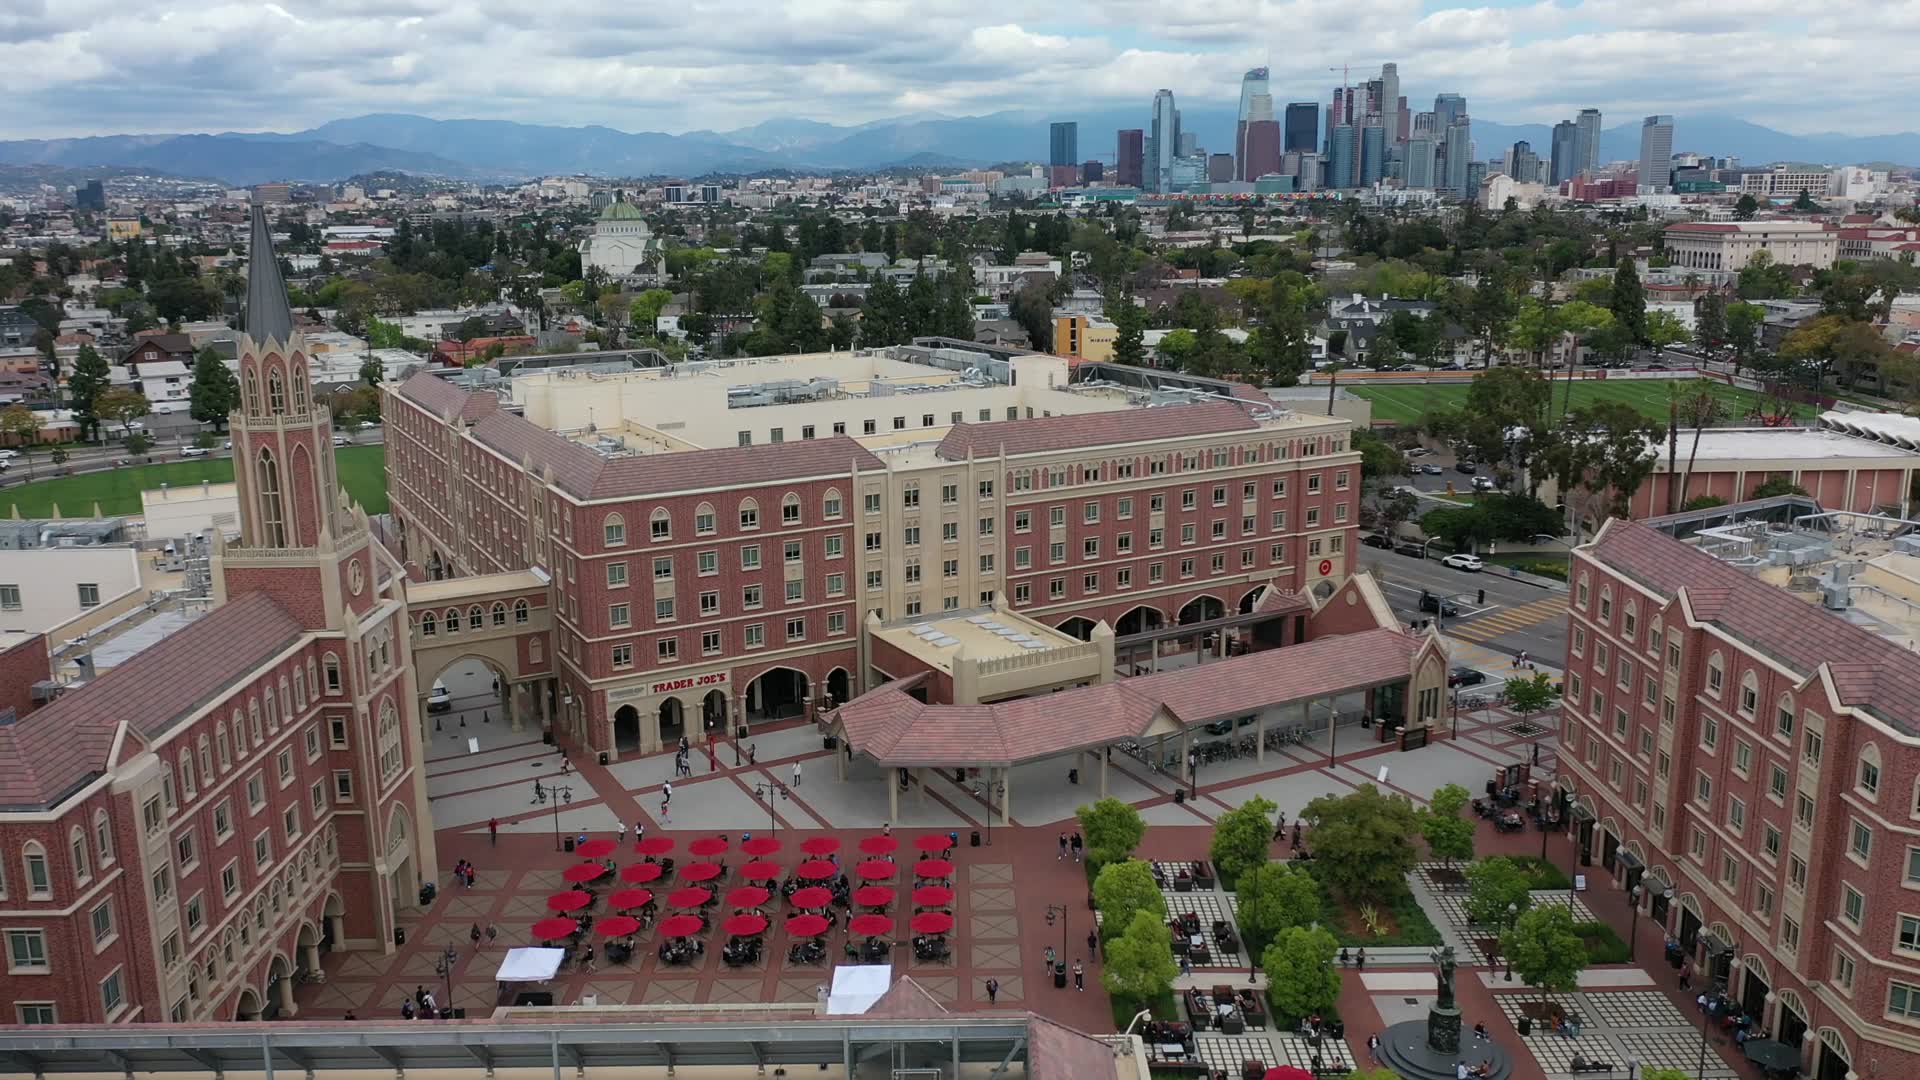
{"x":857,"y":986}
{"x":530,"y":965}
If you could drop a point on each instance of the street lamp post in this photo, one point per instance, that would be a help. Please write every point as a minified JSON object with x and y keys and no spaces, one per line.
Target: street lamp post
{"x":443,"y":967}
{"x":559,"y":793}
{"x":1513,"y":916}
{"x":765,"y":790}
{"x":1633,"y":926}
{"x":1060,"y":911}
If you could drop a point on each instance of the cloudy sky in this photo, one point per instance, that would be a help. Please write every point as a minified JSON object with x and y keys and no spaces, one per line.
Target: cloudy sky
{"x":71,"y":67}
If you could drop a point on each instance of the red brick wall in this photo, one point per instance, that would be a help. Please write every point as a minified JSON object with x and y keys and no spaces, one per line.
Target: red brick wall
{"x":296,"y":588}
{"x":21,"y":666}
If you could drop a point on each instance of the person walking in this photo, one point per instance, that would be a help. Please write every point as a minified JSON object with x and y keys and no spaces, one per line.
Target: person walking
{"x":1373,"y":1048}
{"x":752,"y":752}
{"x":639,"y":830}
{"x":993,"y":989}
{"x":1686,"y":975}
{"x":1079,"y":975}
{"x":493,"y":932}
{"x":1049,"y":959}
{"x":1360,"y":959}
{"x":1093,"y":944}
{"x":1063,"y":848}
{"x":474,"y":936}
{"x":796,"y":774}
{"x":1078,"y":845}
{"x":493,"y":831}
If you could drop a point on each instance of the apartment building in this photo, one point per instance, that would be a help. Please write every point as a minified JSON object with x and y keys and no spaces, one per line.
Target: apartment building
{"x":1730,"y":245}
{"x":182,"y":835}
{"x":1741,"y":741}
{"x":716,"y":535}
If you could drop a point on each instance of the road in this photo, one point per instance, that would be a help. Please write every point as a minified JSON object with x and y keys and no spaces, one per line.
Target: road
{"x":1515,"y":616}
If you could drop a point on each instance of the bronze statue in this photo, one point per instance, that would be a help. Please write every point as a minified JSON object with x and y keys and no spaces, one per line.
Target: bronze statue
{"x":1444,"y":958}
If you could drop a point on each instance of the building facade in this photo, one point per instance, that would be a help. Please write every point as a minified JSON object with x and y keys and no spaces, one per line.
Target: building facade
{"x":1063,"y":144}
{"x":185,"y":833}
{"x":1129,"y":159}
{"x":1750,"y":761}
{"x":621,"y":244}
{"x":1730,"y":245}
{"x":730,"y":583}
{"x":1656,"y":155}
{"x":1302,"y":134}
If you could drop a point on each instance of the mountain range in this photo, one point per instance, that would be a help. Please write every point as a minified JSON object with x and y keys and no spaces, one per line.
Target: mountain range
{"x":503,"y":150}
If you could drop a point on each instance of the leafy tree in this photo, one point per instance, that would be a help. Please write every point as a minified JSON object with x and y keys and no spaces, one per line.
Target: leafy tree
{"x":22,"y":426}
{"x":1763,"y":279}
{"x":1835,"y":344}
{"x":1744,"y":210}
{"x":1130,"y":328}
{"x":1274,"y":897}
{"x":1499,"y":401}
{"x":1379,"y":458}
{"x":1032,"y":308}
{"x":1805,"y":204}
{"x":1608,"y":451}
{"x":1449,"y":836}
{"x":1535,"y":328}
{"x":1530,"y":694}
{"x":1112,"y":828}
{"x":1505,"y":516}
{"x":1581,"y":319}
{"x":883,"y":315}
{"x":1664,"y":328}
{"x":1710,"y":321}
{"x":1743,"y":331}
{"x":1449,"y":799}
{"x":372,"y":371}
{"x":1776,"y":486}
{"x":644,"y":311}
{"x":138,"y":442}
{"x":1363,"y":842}
{"x":1703,"y":502}
{"x":1241,"y":837}
{"x":122,"y":406}
{"x":1665,"y":1074}
{"x":1125,"y":888}
{"x":1140,"y":966}
{"x":215,"y":391}
{"x":1493,"y":885}
{"x":84,"y":387}
{"x":1545,"y":950}
{"x":1698,"y":407}
{"x":1301,"y":977}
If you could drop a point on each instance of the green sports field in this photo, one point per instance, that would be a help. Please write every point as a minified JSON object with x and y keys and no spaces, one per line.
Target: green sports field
{"x":362,"y":471}
{"x":1407,"y":403}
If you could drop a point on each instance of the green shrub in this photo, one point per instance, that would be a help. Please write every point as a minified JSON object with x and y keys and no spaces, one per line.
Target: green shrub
{"x":1604,"y":946}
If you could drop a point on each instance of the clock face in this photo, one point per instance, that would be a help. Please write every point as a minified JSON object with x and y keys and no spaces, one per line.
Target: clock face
{"x":356,"y":577}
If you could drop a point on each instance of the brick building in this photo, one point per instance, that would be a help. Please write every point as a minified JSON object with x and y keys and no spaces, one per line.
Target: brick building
{"x":185,"y":833}
{"x":716,"y":535}
{"x":1751,"y":759}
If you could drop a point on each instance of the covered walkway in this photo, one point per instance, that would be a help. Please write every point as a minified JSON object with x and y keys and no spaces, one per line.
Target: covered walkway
{"x":904,"y":735}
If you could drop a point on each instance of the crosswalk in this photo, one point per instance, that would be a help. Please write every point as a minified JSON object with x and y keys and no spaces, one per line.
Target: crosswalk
{"x":1509,"y":620}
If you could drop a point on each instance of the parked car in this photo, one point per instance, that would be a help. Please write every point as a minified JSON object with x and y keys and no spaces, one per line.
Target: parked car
{"x":195,"y":451}
{"x":1460,"y":560}
{"x":1376,"y":540}
{"x":1415,"y":550}
{"x":1419,"y":451}
{"x":1405,"y":367}
{"x":1226,"y":725}
{"x":1431,"y":469}
{"x":9,"y":455}
{"x":1466,"y":468}
{"x":342,"y":440}
{"x":1438,"y":605}
{"x":1482,"y":483}
{"x":1466,"y":676}
{"x":440,"y":699}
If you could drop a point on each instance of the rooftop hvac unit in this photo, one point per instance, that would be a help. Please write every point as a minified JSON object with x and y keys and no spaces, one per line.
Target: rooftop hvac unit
{"x":46,"y":690}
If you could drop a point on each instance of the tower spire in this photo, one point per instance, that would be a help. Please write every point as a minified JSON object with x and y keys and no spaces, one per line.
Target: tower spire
{"x":268,"y":316}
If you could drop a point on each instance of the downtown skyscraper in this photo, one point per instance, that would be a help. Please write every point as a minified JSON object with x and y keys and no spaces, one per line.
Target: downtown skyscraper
{"x":1064,"y":144}
{"x":1256,"y":150}
{"x":1586,"y":143}
{"x":1656,"y":155}
{"x":1129,"y":158}
{"x":1303,"y":128}
{"x":1564,"y":160}
{"x":1163,"y":143}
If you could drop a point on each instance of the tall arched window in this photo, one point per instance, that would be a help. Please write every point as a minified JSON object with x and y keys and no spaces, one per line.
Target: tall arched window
{"x":428,"y":625}
{"x":39,"y":879}
{"x":331,"y":663}
{"x":476,"y":618}
{"x":102,"y":837}
{"x":300,"y":387}
{"x":614,"y":530}
{"x":749,"y":514}
{"x":790,"y":509}
{"x":276,"y":393}
{"x":388,"y":742}
{"x":82,"y":866}
{"x":273,"y":524}
{"x":452,"y":620}
{"x":253,"y":390}
{"x":499,"y":613}
{"x":521,"y":611}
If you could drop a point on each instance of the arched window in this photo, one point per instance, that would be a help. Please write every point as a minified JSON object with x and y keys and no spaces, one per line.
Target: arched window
{"x":499,"y":613}
{"x":82,"y":866}
{"x":331,"y":665}
{"x":790,"y":509}
{"x":704,"y":521}
{"x":388,"y":742}
{"x":452,"y":619}
{"x":1716,"y":673}
{"x":1749,"y":694}
{"x":476,"y":618}
{"x":1630,"y":623}
{"x":614,"y":529}
{"x":206,"y":760}
{"x":659,"y":525}
{"x":33,"y":858}
{"x":1783,"y":718}
{"x":313,"y":681}
{"x":749,"y":514}
{"x":1867,"y":778}
{"x":187,"y":787}
{"x":276,"y":392}
{"x":252,"y":380}
{"x":239,"y":733}
{"x":520,"y":612}
{"x":272,"y":518}
{"x":103,"y":837}
{"x":300,"y":387}
{"x":831,"y":507}
{"x":1606,"y":604}
{"x":427,"y":624}
{"x":299,"y":692}
{"x":253,"y":721}
{"x":223,"y":745}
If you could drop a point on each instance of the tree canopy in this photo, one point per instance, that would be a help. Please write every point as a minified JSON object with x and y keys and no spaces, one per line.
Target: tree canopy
{"x":1241,"y":837}
{"x":1124,"y":888}
{"x":1493,"y":886}
{"x":1273,"y":897}
{"x":1112,"y":829}
{"x":1545,"y":950}
{"x":1302,"y":979}
{"x":1363,"y":842}
{"x":1139,"y":961}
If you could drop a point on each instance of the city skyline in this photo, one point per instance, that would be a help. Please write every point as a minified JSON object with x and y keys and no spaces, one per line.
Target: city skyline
{"x":282,"y":66}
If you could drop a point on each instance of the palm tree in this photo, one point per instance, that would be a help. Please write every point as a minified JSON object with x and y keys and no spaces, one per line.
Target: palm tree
{"x":1699,"y":407}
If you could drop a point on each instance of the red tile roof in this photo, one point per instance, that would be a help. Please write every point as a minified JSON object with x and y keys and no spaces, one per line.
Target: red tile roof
{"x":1049,"y":433}
{"x":1055,"y":1051}
{"x":1868,"y":671}
{"x":48,"y":754}
{"x":898,"y":730}
{"x":442,"y":398}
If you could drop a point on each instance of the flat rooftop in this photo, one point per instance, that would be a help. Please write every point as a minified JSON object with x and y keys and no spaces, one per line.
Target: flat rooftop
{"x":1807,"y":446}
{"x":984,"y":634}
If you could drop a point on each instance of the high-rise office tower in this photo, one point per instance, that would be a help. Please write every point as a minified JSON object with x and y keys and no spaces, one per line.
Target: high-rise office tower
{"x":1389,"y":103}
{"x":1425,"y":125}
{"x":1656,"y":154}
{"x":1189,"y":141}
{"x":1092,"y":171}
{"x":1566,"y":153}
{"x":1163,"y":142}
{"x":1343,"y":152}
{"x":1373,"y":154}
{"x":1303,"y":128}
{"x":1130,"y":157}
{"x":1418,"y":170}
{"x":1064,"y":144}
{"x":90,"y":196}
{"x":1308,"y":176}
{"x":1252,"y":85}
{"x":1220,"y":168}
{"x":1449,"y":108}
{"x":1256,"y":149}
{"x":1522,"y":163}
{"x":1406,"y":119}
{"x":1586,"y":143}
{"x":1459,"y":154}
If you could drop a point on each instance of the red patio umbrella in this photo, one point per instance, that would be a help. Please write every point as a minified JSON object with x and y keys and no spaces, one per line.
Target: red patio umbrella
{"x":873,"y":895}
{"x":586,"y":871}
{"x":932,"y":896}
{"x":617,"y":925}
{"x":689,"y":897}
{"x":707,"y":846}
{"x":932,"y":922}
{"x":700,"y":871}
{"x":745,"y":924}
{"x":747,"y":896}
{"x":815,"y":870}
{"x":933,"y":842}
{"x":1287,"y":1072}
{"x":811,"y":898}
{"x":879,"y":845}
{"x":554,"y":928}
{"x":627,"y":898}
{"x":640,"y":873}
{"x":820,"y":845}
{"x":933,"y":868}
{"x":598,"y":848}
{"x":759,"y":870}
{"x":760,"y":845}
{"x":807,"y":925}
{"x":571,"y":900}
{"x":655,"y":846}
{"x":871,"y":925}
{"x":875,"y":869}
{"x":680,"y":925}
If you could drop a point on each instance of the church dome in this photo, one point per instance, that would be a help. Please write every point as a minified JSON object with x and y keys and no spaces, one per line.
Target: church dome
{"x":621,"y":211}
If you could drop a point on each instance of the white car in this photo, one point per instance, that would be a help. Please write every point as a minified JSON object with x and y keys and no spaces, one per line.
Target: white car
{"x":439,"y":699}
{"x":9,"y":455}
{"x":342,"y":440}
{"x":194,"y":451}
{"x":1463,"y":561}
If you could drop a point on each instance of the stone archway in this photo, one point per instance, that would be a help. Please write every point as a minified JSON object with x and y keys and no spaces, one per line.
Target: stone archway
{"x":672,"y":720}
{"x":839,"y":686}
{"x":1252,"y":599}
{"x":306,"y":949}
{"x":1079,"y":627}
{"x":713,"y":711}
{"x":626,"y":729}
{"x":279,"y":990}
{"x":333,"y":917}
{"x":402,"y":870}
{"x":778,"y":692}
{"x":1138,"y":620}
{"x":247,"y":1007}
{"x":1203,"y":608}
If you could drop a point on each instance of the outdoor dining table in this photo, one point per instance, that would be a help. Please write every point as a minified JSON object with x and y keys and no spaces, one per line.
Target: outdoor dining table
{"x":760,"y":845}
{"x":873,"y":895}
{"x":570,"y":900}
{"x":584,"y":872}
{"x":555,"y":928}
{"x":759,"y":870}
{"x":814,"y":897}
{"x":748,"y":896}
{"x":933,"y":868}
{"x":640,"y":873}
{"x":630,"y":898}
{"x":932,"y":896}
{"x":699,"y":871}
{"x":876,"y":870}
{"x":690,"y":897}
{"x":815,"y":870}
{"x":707,"y":846}
{"x":878,"y":845}
{"x":807,"y":925}
{"x":654,"y":845}
{"x":931,"y":842}
{"x":597,"y":848}
{"x":820,"y":845}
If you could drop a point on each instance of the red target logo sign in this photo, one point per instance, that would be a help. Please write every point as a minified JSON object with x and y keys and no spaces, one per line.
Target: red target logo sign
{"x":1326,"y":567}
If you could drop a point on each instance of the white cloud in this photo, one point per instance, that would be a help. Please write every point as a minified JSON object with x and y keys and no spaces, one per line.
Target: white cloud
{"x":70,"y":67}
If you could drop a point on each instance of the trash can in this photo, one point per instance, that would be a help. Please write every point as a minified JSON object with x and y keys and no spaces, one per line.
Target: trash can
{"x":1060,"y":974}
{"x":1525,"y":1026}
{"x":547,"y":737}
{"x":1073,"y":776}
{"x":603,"y":757}
{"x":975,"y":839}
{"x":567,"y":844}
{"x":399,"y":935}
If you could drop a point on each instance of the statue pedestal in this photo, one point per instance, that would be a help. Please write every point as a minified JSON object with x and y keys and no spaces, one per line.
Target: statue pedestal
{"x":1407,"y":1049}
{"x":1443,"y":1030}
